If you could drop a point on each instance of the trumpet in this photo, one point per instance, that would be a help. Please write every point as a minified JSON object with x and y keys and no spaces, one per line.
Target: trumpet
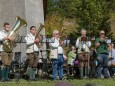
{"x":61,"y":32}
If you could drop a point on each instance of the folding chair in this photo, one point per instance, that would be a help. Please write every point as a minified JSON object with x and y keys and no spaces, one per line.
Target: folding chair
{"x":67,"y":68}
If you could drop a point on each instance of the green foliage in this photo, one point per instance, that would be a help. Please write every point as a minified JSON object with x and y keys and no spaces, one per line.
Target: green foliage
{"x":53,"y":22}
{"x":92,"y":15}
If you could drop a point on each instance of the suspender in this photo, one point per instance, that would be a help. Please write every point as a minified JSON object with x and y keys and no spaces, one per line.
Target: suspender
{"x":81,"y":45}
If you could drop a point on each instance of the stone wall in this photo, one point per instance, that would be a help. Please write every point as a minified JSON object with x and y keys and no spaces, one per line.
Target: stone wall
{"x":30,"y":10}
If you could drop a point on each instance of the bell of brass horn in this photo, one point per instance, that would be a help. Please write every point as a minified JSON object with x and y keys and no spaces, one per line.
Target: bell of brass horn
{"x":38,"y":35}
{"x":8,"y":45}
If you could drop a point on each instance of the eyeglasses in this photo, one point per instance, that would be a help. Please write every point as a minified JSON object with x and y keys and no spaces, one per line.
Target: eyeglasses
{"x":102,"y":33}
{"x":57,"y":34}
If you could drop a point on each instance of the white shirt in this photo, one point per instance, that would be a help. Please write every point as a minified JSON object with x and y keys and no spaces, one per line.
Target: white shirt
{"x":55,"y":44}
{"x":3,"y":34}
{"x":112,"y":55}
{"x":31,"y":47}
{"x":82,"y":45}
{"x":60,"y":50}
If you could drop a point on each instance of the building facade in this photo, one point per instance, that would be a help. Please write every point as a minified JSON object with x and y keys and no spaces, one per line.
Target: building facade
{"x":30,"y":10}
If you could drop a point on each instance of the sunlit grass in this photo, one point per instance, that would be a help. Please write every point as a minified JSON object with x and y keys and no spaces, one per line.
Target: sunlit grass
{"x":76,"y":82}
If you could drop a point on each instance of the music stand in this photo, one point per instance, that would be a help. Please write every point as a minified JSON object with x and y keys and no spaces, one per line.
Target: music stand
{"x":46,"y":39}
{"x":19,"y":41}
{"x":66,"y":41}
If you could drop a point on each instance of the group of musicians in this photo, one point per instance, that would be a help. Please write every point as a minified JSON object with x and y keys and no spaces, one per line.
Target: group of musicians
{"x":32,"y":52}
{"x":57,"y":54}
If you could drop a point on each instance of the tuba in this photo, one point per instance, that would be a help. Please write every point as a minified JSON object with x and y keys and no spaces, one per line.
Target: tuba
{"x":38,"y":35}
{"x":9,"y":45}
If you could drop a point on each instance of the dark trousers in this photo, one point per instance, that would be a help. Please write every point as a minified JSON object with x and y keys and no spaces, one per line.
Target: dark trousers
{"x":102,"y":63}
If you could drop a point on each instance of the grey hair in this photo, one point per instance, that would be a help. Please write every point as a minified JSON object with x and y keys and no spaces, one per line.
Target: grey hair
{"x":102,"y":31}
{"x":55,"y":31}
{"x":83,"y":30}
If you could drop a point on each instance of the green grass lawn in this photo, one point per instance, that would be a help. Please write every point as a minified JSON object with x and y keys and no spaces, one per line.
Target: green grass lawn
{"x":76,"y":82}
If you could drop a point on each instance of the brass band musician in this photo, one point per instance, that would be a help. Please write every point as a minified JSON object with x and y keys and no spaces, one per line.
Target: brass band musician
{"x":83,"y":45}
{"x":32,"y":52}
{"x":6,"y":57}
{"x":102,"y":54}
{"x":56,"y":55}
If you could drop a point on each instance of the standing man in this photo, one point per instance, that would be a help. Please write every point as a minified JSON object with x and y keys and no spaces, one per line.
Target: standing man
{"x":6,"y":57}
{"x":56,"y":54}
{"x":32,"y":52}
{"x":102,"y":55}
{"x":83,"y":45}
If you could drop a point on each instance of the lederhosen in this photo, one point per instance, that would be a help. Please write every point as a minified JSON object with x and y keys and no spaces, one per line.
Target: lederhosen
{"x":6,"y":58}
{"x":84,"y":57}
{"x":33,"y":59}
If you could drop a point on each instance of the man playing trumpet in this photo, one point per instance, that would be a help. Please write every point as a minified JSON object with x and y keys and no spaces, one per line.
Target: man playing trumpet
{"x":57,"y":56}
{"x":83,"y":45}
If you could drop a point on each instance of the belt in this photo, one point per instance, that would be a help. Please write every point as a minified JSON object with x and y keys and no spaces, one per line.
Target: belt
{"x":60,"y":54}
{"x":36,"y":51}
{"x":6,"y":52}
{"x":33,"y":52}
{"x":104,"y":53}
